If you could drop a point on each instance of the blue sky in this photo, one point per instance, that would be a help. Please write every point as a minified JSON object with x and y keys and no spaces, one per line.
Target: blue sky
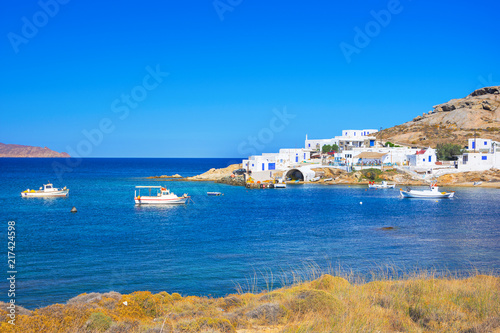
{"x":243,"y":76}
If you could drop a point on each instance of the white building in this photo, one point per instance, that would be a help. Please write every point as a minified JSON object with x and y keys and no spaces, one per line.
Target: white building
{"x":478,"y":144}
{"x":285,"y":159}
{"x":317,"y":144}
{"x":382,"y":155}
{"x":423,"y":158}
{"x":483,"y":154}
{"x":349,"y":139}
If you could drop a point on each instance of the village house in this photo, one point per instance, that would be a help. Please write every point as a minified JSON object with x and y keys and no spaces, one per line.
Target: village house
{"x":349,"y":139}
{"x":282,"y":160}
{"x":482,"y":154}
{"x":423,"y":158}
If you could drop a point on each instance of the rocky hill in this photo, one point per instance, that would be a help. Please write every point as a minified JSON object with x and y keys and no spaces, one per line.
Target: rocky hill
{"x":9,"y":150}
{"x":454,"y":121}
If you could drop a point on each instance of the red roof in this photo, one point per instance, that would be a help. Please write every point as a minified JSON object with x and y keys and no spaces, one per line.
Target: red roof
{"x":420,"y":152}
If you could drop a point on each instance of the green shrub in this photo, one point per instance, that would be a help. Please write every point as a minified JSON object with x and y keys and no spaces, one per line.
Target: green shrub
{"x":99,"y":322}
{"x":447,"y":151}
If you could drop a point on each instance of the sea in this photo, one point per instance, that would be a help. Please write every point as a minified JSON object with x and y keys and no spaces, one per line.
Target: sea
{"x":244,"y":240}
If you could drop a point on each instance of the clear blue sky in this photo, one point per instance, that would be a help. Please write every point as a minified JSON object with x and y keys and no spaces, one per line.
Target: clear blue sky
{"x":226,"y":76}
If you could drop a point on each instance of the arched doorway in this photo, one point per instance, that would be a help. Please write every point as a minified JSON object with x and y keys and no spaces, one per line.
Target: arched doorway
{"x":294,"y":174}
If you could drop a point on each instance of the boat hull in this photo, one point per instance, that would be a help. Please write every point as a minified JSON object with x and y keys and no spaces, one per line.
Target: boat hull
{"x":161,"y":201}
{"x":422,"y":194}
{"x":382,"y":186}
{"x":45,"y":195}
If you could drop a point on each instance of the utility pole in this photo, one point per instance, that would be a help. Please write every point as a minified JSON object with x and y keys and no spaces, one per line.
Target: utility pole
{"x":475,"y":144}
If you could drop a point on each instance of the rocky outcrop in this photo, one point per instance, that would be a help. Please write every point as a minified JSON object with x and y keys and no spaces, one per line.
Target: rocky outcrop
{"x":215,"y":174}
{"x":454,"y":121}
{"x":489,"y":178}
{"x":10,"y":150}
{"x":176,"y":176}
{"x":232,"y":180}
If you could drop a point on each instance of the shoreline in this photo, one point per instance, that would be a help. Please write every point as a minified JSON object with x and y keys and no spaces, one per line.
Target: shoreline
{"x":362,"y":183}
{"x":489,"y":178}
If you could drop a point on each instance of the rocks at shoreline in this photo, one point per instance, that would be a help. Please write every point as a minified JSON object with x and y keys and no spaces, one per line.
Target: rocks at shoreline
{"x":176,"y":176}
{"x":215,"y":174}
{"x":491,"y":176}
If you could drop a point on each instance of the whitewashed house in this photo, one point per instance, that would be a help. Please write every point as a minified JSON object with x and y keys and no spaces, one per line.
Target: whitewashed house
{"x":483,"y":154}
{"x":347,"y":140}
{"x":356,"y":139}
{"x":317,"y":144}
{"x":285,"y":159}
{"x":423,"y":158}
{"x":478,"y":144}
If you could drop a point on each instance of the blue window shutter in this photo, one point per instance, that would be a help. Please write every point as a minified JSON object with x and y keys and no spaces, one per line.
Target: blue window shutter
{"x":484,"y":158}
{"x":485,"y":143}
{"x":430,"y":157}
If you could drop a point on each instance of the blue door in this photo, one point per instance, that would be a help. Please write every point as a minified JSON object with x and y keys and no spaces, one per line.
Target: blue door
{"x":430,"y":158}
{"x":473,"y":144}
{"x":296,"y":159}
{"x":263,"y":167}
{"x":271,"y":166}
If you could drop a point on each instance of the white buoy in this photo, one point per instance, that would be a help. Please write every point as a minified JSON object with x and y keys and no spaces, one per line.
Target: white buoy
{"x":361,"y":202}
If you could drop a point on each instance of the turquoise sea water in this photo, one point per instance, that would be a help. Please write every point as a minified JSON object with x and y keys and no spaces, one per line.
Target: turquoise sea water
{"x":217,"y":243}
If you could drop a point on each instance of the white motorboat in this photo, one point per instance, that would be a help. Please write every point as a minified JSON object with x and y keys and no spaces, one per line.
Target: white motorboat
{"x":280,"y":185}
{"x":48,"y":190}
{"x":382,"y":185}
{"x":157,"y":195}
{"x":431,"y":193}
{"x":214,"y":194}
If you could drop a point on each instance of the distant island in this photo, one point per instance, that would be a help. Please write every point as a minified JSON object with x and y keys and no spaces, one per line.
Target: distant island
{"x":10,"y":150}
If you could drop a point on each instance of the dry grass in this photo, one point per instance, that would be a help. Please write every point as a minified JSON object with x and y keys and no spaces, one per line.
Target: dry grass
{"x":310,"y":302}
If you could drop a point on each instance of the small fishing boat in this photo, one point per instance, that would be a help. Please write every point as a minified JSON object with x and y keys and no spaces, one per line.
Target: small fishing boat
{"x":158,"y":195}
{"x":477,"y":183}
{"x":431,"y":193}
{"x":382,"y":185}
{"x":48,"y":190}
{"x":214,"y":194}
{"x":280,"y":185}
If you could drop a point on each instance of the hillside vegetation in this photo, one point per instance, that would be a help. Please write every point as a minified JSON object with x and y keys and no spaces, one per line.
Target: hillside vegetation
{"x":455,"y":121}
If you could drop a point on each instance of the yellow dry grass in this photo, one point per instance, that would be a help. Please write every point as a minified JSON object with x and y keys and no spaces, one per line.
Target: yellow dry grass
{"x":417,"y":303}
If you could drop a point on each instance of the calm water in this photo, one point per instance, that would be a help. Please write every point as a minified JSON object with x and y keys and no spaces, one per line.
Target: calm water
{"x":209,"y":247}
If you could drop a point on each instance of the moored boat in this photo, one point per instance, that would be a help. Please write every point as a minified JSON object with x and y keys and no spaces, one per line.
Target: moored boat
{"x":432,"y":193}
{"x":382,"y":185}
{"x":158,"y":195}
{"x":48,"y":190}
